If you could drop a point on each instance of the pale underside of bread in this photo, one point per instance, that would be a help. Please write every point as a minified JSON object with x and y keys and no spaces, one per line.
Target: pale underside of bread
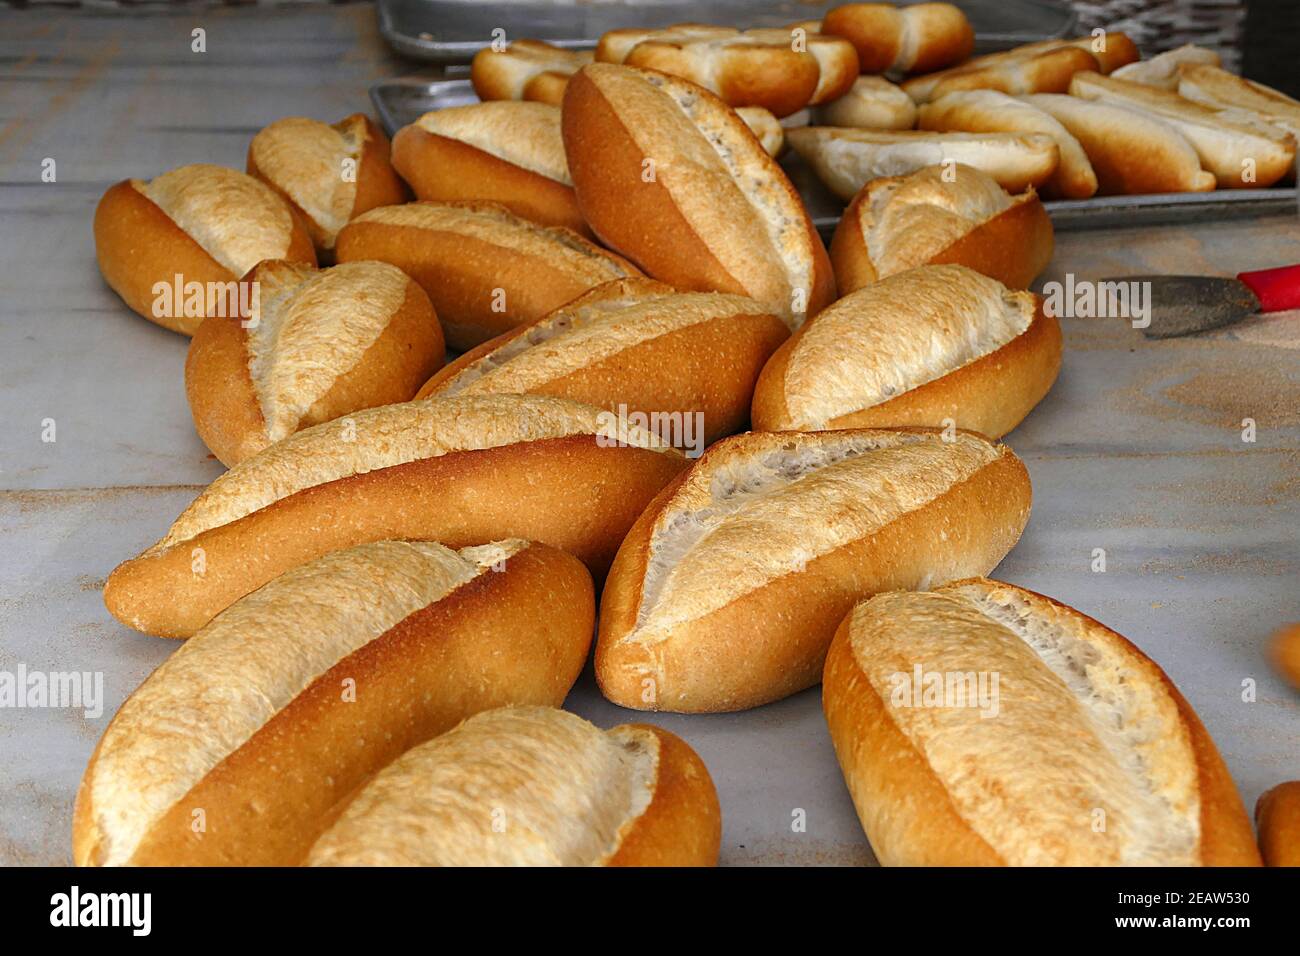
{"x":951,"y":780}
{"x":522,"y":787}
{"x":932,"y":346}
{"x":523,"y":134}
{"x":457,"y":470}
{"x":1207,"y":84}
{"x":990,"y":111}
{"x":742,"y":544}
{"x":872,"y":103}
{"x":1131,"y":152}
{"x":306,"y":161}
{"x":1163,"y":69}
{"x":1041,"y":71}
{"x":846,"y":159}
{"x":724,"y":215}
{"x":306,"y":687}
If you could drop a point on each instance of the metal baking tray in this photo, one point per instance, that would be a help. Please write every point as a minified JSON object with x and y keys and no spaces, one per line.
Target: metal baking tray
{"x":402,"y":100}
{"x":452,"y":31}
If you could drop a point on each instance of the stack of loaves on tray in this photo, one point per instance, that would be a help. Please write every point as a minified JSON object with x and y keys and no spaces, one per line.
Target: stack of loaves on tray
{"x":389,"y":594}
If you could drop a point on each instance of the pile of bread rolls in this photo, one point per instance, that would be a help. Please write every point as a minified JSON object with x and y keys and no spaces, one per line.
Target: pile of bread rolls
{"x":680,"y":429}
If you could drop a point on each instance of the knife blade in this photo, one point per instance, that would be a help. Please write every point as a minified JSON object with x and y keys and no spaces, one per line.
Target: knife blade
{"x":1185,"y":305}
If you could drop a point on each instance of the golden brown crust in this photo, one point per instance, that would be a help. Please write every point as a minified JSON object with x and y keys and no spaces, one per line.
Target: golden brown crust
{"x":1277,"y":814}
{"x":683,"y":824}
{"x":442,"y":168}
{"x":485,"y":645}
{"x":919,"y":38}
{"x":1285,"y":653}
{"x":1040,"y":71}
{"x":219,"y":388}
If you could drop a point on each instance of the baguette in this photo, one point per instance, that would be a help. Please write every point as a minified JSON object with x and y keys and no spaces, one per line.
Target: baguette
{"x":525,"y":70}
{"x":502,"y":151}
{"x":1220,"y":90}
{"x":1113,"y":51}
{"x":195,"y":224}
{"x":1130,"y":152}
{"x":457,"y":470}
{"x":1163,"y":69}
{"x":1277,"y":814}
{"x":988,"y":111}
{"x":328,"y":174}
{"x":533,"y":786}
{"x":912,"y":39}
{"x":727,"y":590}
{"x":1285,"y":652}
{"x":485,"y":269}
{"x":847,"y":159}
{"x":283,"y":704}
{"x":937,"y":345}
{"x":937,"y":215}
{"x":872,"y":103}
{"x":1043,"y":71}
{"x":1083,"y":753}
{"x":635,"y":347}
{"x":1241,"y":154}
{"x":321,"y":345}
{"x":669,"y":176}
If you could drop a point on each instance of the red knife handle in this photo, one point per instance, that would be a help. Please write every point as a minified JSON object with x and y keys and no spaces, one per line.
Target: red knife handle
{"x":1276,"y":289}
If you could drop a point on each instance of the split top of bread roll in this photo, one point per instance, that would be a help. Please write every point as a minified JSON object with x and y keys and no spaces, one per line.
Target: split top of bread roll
{"x":388,"y":436}
{"x":1081,"y":754}
{"x":212,"y":696}
{"x":1218,"y":89}
{"x":530,"y":786}
{"x":893,"y":336}
{"x":1163,"y":69}
{"x":525,"y":134}
{"x":717,"y":213}
{"x":236,"y":219}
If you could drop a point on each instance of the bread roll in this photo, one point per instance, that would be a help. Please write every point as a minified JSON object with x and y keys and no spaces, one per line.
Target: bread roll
{"x":766,"y":127}
{"x":872,"y":103}
{"x":485,"y":269}
{"x":1240,"y":153}
{"x":985,"y":111}
{"x":1285,"y":652}
{"x":239,"y":747}
{"x":635,"y":346}
{"x":980,"y":724}
{"x":323,"y":343}
{"x":728,"y":588}
{"x":457,"y":470}
{"x":525,"y":70}
{"x":502,"y":151}
{"x":913,"y":39}
{"x":1220,"y":90}
{"x":615,"y":45}
{"x":1112,"y":51}
{"x":1042,"y":71}
{"x":1131,"y":152}
{"x":935,"y":346}
{"x":669,"y":176}
{"x":533,"y":786}
{"x":937,"y":215}
{"x":200,"y":224}
{"x":328,"y":173}
{"x":847,"y":159}
{"x":1163,"y":69}
{"x":1277,"y":814}
{"x":837,"y":61}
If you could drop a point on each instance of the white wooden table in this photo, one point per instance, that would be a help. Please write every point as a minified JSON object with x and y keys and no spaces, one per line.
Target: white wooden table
{"x":1137,"y":450}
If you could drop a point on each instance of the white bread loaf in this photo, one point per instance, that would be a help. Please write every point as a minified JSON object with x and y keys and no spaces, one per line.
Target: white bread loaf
{"x":1220,"y":90}
{"x":1163,"y":69}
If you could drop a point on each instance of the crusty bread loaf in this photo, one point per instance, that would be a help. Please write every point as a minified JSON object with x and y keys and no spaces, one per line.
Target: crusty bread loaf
{"x":1041,"y":71}
{"x":322,"y":343}
{"x":533,"y":786}
{"x":485,"y":269}
{"x":766,"y":127}
{"x":938,"y":345}
{"x":195,"y":224}
{"x":1112,"y":51}
{"x":984,"y":111}
{"x":941,"y":215}
{"x":503,"y":151}
{"x":239,"y":747}
{"x":636,"y":347}
{"x":1277,"y":814}
{"x":917,"y":38}
{"x":980,"y":724}
{"x":328,"y":173}
{"x":669,"y":176}
{"x":457,"y":470}
{"x":1131,"y":152}
{"x":1220,"y":90}
{"x":615,"y":45}
{"x":872,"y":103}
{"x":847,"y":159}
{"x":1241,"y":153}
{"x":727,"y":590}
{"x":525,"y":70}
{"x":1163,"y":69}
{"x":1285,"y":652}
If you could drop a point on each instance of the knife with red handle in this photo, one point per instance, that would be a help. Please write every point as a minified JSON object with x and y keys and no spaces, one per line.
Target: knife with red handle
{"x":1183,"y":305}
